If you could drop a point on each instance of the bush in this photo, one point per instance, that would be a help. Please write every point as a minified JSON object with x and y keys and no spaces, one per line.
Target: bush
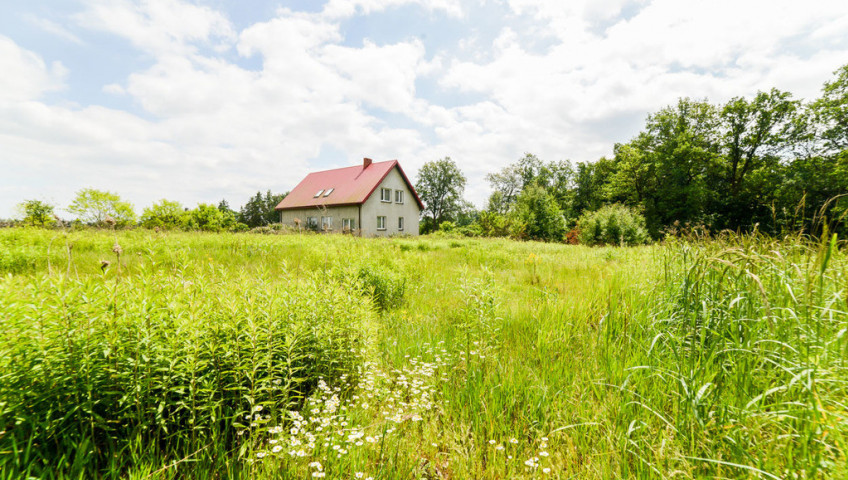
{"x":447,"y":227}
{"x":612,"y":225}
{"x":385,"y":286}
{"x":493,"y":224}
{"x":536,"y":216}
{"x":472,"y":230}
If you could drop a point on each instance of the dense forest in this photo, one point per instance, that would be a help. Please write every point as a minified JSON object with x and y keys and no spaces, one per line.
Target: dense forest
{"x":771,"y":162}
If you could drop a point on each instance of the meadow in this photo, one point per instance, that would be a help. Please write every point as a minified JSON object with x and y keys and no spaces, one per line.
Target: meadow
{"x":159,"y":355}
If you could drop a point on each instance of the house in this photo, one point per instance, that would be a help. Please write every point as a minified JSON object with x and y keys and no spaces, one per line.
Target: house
{"x":372,"y":199}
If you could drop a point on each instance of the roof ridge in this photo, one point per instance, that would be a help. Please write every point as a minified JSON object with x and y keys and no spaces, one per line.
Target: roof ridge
{"x":352,"y":166}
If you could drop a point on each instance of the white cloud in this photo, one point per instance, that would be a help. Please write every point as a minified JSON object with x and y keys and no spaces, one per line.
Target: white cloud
{"x":158,"y":26}
{"x":666,"y":50}
{"x":53,"y":28}
{"x":345,"y":8}
{"x":209,"y":127}
{"x":25,"y":74}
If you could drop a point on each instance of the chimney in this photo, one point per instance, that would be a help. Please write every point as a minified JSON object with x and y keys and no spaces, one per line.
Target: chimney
{"x":366,"y":162}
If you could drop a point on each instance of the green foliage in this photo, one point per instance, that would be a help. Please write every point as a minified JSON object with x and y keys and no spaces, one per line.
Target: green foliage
{"x":37,"y":213}
{"x":208,"y":218}
{"x":704,"y":358}
{"x":96,"y":207}
{"x":536,"y":216}
{"x":165,"y":214}
{"x":493,"y":224}
{"x":163,"y":358}
{"x":386,"y":286}
{"x":260,"y":209}
{"x":831,"y":112}
{"x":440,"y":186}
{"x":612,"y":225}
{"x":447,"y":227}
{"x":556,"y":177}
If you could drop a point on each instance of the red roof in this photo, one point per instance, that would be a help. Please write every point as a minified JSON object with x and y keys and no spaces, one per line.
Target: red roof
{"x":351,"y":186}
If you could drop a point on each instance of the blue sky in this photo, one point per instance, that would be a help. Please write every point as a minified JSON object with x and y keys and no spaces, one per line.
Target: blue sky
{"x":197,"y":101}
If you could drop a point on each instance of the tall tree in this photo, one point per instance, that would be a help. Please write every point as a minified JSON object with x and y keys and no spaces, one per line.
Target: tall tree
{"x":831,"y":112}
{"x":666,"y":166}
{"x":754,"y":134}
{"x":260,"y":209}
{"x":440,"y":186}
{"x":95,"y":206}
{"x":511,"y":180}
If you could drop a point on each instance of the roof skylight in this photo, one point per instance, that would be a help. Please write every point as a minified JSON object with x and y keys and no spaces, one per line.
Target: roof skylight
{"x":328,"y":192}
{"x":318,"y":194}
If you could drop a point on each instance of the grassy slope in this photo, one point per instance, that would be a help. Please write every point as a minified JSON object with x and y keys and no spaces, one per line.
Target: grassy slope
{"x":688,"y":360}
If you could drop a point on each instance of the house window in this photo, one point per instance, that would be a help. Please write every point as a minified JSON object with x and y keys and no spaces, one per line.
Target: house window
{"x":348,"y":224}
{"x":328,"y":192}
{"x":326,"y":223}
{"x":386,"y":195}
{"x":400,"y":223}
{"x":312,"y":222}
{"x":381,"y":223}
{"x":318,"y":194}
{"x":398,"y":196}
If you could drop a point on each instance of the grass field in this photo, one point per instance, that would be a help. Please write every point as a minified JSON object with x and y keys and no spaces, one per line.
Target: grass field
{"x":250,"y":356}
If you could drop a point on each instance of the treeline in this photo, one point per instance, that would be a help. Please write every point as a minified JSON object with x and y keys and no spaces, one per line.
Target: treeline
{"x":772,"y":163}
{"x":100,"y":208}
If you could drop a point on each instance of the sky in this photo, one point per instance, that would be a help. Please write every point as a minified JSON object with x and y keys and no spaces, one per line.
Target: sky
{"x":197,"y":101}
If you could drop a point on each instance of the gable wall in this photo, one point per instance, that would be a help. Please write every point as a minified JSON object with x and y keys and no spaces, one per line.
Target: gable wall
{"x":374,"y":207}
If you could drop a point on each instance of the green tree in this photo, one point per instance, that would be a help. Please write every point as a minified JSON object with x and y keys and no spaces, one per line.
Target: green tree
{"x":590,"y":180}
{"x":206,"y":217}
{"x":537,"y":216}
{"x":95,"y":206}
{"x":224,"y":206}
{"x":440,"y":186}
{"x":36,"y":212}
{"x":511,"y":180}
{"x":754,"y":135}
{"x":831,"y":112}
{"x":163,"y":214}
{"x":260,"y":209}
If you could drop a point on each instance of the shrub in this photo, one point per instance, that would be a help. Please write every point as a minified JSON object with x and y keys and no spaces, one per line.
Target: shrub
{"x":536,"y":216}
{"x":612,"y":225}
{"x":165,"y":214}
{"x":385,"y":286}
{"x":447,"y":227}
{"x":493,"y":224}
{"x":472,"y":230}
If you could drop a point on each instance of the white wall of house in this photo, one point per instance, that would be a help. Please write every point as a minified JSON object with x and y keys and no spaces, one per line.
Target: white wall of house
{"x":373,"y":207}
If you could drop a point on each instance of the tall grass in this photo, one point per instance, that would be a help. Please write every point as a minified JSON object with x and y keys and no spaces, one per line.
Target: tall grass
{"x":693,"y":359}
{"x":109,"y":368}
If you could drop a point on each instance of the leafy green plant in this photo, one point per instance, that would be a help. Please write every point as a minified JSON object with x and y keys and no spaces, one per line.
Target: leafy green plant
{"x":612,"y":225}
{"x":385,"y":286}
{"x":163,"y":358}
